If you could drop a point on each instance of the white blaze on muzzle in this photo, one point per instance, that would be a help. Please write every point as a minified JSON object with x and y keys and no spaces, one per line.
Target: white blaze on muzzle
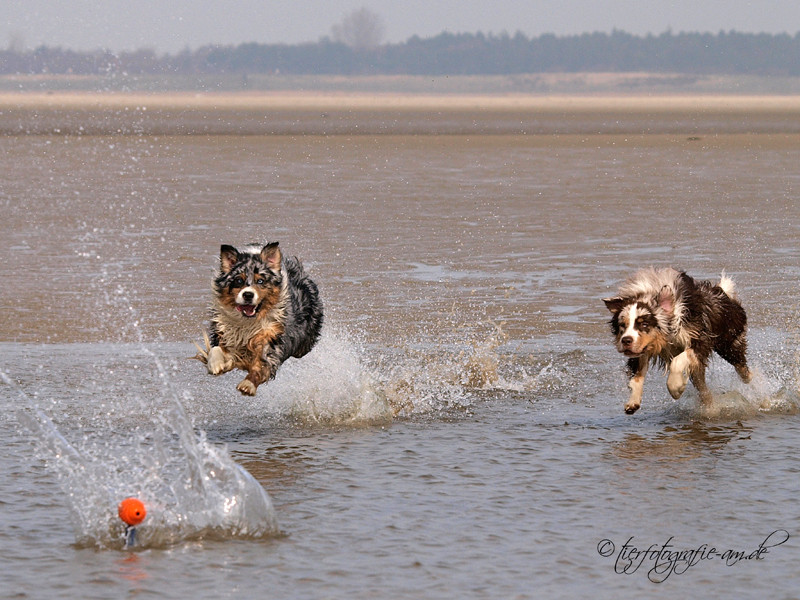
{"x":630,"y":330}
{"x":247,"y":301}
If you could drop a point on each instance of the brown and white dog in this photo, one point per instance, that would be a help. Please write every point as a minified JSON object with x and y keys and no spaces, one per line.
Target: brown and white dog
{"x":265,"y":309}
{"x":665,"y":316}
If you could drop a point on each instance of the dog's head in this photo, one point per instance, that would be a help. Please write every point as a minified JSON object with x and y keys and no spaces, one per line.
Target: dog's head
{"x":249,"y":281}
{"x":640,"y":325}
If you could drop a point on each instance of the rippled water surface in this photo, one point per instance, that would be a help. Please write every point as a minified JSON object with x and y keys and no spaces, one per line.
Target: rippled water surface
{"x":457,"y":432}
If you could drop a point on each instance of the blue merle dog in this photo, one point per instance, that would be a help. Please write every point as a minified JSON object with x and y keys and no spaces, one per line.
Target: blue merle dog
{"x":265,"y":309}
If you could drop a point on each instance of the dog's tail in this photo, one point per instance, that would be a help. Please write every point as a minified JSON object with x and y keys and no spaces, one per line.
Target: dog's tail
{"x":727,"y":285}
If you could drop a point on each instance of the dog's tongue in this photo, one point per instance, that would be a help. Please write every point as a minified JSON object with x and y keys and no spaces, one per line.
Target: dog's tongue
{"x":247,"y":310}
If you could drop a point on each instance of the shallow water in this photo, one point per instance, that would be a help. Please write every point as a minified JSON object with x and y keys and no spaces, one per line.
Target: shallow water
{"x":459,"y":429}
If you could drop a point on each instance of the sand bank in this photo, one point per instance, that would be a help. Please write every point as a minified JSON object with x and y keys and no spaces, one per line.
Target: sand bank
{"x":296,"y":113}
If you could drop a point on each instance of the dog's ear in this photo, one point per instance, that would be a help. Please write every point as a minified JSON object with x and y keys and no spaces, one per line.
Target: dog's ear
{"x":666,"y":300}
{"x":228,"y":256}
{"x":271,"y":256}
{"x":614,"y":305}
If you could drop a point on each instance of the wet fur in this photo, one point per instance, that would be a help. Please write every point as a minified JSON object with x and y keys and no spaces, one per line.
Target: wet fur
{"x":265,"y":309}
{"x":665,"y":316}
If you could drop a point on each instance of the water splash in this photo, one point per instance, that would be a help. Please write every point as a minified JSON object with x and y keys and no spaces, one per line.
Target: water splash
{"x":766,"y":394}
{"x":343,"y":382}
{"x":333,"y":385}
{"x":192,"y":488}
{"x":441,"y":378}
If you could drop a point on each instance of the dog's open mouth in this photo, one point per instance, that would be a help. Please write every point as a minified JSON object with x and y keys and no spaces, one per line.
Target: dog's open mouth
{"x":248,"y":310}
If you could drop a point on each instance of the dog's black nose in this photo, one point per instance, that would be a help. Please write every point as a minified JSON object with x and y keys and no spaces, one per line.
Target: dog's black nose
{"x":247,"y":296}
{"x":627,"y":340}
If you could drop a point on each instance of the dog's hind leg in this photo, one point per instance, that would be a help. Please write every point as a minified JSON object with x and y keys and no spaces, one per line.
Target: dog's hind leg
{"x":638,"y":369}
{"x":745,"y":374}
{"x":736,"y":354}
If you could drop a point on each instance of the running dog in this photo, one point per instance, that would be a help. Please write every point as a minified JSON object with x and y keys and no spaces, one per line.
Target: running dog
{"x":665,"y":316}
{"x":264,"y":310}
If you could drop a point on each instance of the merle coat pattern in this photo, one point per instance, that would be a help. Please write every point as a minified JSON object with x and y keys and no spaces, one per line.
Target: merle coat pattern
{"x":265,"y":309}
{"x":665,"y":316}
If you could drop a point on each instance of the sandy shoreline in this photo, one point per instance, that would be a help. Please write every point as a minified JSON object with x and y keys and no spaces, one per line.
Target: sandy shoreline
{"x":274,"y":113}
{"x":378,"y":101}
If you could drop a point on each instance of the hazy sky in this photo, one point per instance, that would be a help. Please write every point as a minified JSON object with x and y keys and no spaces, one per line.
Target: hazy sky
{"x":172,"y":25}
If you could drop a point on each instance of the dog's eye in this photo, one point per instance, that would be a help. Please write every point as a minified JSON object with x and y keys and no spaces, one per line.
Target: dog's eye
{"x":261,"y":281}
{"x":238,"y":282}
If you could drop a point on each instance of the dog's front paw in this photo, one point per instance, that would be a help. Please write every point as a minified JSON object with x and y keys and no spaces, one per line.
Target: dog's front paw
{"x":676,"y":383}
{"x":218,"y":361}
{"x":678,"y":375}
{"x":247,"y":387}
{"x":632,"y":406}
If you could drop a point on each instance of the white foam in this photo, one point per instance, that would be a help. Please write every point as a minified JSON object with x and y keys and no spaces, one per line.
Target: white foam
{"x":733,"y":399}
{"x":341,"y":383}
{"x":331,"y":385}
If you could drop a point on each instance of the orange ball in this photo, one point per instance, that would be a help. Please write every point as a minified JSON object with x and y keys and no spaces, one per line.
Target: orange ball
{"x":132,"y":511}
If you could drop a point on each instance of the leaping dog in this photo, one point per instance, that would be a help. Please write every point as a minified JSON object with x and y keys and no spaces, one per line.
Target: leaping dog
{"x":665,"y":316}
{"x":264,"y":310}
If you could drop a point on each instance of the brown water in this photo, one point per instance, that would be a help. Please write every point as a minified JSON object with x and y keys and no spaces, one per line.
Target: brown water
{"x":458,"y":432}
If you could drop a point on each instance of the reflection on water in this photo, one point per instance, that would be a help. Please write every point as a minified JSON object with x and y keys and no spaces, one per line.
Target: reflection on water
{"x":683,"y":442}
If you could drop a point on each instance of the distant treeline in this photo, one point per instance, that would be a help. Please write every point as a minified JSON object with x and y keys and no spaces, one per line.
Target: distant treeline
{"x":730,"y":53}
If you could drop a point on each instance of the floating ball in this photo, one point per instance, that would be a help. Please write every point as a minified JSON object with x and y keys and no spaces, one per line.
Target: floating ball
{"x":132,"y":511}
